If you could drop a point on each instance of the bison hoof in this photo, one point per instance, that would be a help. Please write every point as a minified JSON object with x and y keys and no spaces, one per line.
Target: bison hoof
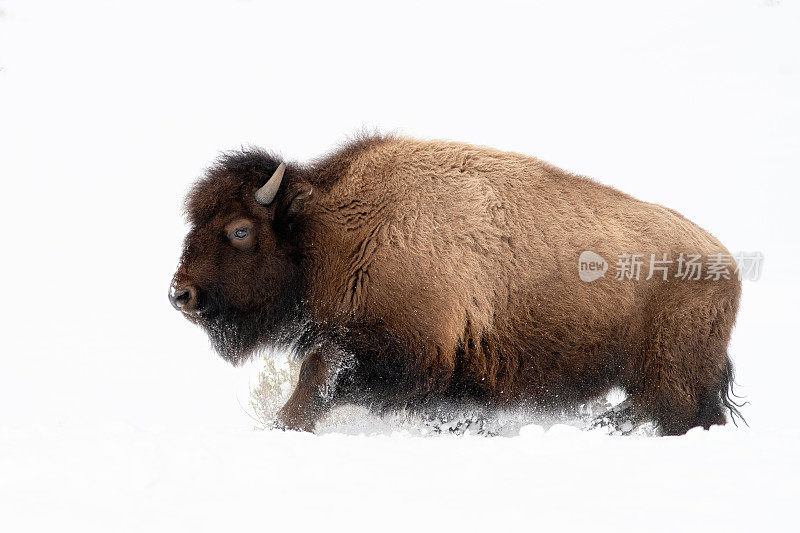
{"x":621,"y":419}
{"x":284,"y":424}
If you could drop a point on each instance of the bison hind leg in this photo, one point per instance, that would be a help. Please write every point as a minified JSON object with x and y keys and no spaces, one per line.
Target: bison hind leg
{"x":710,"y":410}
{"x":682,"y":376}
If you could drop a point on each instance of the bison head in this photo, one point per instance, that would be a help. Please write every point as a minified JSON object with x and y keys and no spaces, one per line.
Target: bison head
{"x":238,"y":274}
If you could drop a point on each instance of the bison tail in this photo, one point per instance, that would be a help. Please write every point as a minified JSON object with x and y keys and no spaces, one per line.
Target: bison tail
{"x":727,"y":394}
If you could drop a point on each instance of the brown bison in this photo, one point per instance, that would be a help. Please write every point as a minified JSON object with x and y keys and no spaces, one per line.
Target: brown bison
{"x":408,"y":274}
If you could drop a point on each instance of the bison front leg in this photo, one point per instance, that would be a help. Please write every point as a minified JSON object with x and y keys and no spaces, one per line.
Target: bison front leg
{"x":316,"y":390}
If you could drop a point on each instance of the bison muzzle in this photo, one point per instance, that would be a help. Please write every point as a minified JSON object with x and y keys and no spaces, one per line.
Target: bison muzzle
{"x":406,"y":274}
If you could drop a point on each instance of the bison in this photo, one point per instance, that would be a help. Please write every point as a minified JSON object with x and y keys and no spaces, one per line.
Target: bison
{"x":407,"y":273}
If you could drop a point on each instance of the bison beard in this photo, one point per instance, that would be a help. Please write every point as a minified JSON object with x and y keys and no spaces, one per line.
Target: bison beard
{"x":411,"y":273}
{"x":236,"y":335}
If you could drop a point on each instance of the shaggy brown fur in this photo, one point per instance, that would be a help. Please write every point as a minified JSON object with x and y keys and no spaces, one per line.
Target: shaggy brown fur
{"x":407,"y":272}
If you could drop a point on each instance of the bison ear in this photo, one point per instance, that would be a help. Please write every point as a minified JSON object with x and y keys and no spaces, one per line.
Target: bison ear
{"x":295,"y":203}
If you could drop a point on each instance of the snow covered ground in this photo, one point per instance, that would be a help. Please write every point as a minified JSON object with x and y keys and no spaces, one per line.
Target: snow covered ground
{"x":115,"y":414}
{"x":123,"y":479}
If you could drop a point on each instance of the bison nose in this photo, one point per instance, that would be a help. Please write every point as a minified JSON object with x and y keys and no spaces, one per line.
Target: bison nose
{"x":183,"y":298}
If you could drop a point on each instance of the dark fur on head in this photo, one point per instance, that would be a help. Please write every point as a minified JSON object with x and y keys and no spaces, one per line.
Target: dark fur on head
{"x":233,"y":176}
{"x":245,"y":298}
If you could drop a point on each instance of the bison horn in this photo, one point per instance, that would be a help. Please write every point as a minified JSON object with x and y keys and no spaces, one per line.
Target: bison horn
{"x":266,"y":194}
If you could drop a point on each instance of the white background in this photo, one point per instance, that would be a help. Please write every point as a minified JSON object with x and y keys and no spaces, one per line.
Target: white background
{"x":114,"y":408}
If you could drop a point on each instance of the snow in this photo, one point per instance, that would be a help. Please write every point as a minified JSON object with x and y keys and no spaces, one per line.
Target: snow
{"x":125,"y":479}
{"x":116,"y":415}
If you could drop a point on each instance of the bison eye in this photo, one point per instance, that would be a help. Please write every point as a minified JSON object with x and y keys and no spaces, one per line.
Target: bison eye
{"x":240,"y":233}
